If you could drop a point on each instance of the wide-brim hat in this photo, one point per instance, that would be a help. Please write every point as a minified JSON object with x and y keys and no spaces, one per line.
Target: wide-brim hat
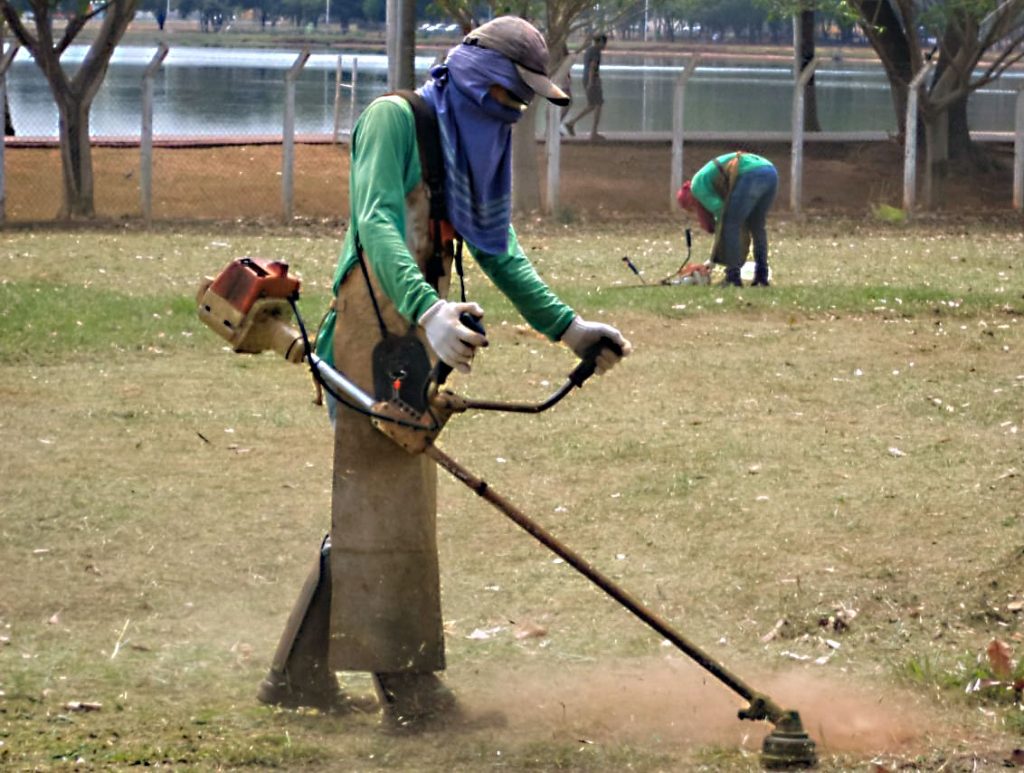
{"x":524,"y":46}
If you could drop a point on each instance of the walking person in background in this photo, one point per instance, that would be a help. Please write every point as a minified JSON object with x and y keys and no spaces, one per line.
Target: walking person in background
{"x":730,"y":196}
{"x":565,"y":84}
{"x":592,"y":87}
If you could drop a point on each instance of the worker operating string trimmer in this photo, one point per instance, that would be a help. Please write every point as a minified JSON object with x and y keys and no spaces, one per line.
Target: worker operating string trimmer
{"x":372,"y":601}
{"x":430,"y":179}
{"x":249,"y":305}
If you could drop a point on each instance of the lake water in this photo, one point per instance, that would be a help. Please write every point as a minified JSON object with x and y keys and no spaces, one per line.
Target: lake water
{"x":213,"y":91}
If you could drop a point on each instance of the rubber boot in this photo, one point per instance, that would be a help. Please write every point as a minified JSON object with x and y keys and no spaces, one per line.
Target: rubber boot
{"x":732,"y":277}
{"x":415,"y":700}
{"x":299,"y":674}
{"x":761,"y":275}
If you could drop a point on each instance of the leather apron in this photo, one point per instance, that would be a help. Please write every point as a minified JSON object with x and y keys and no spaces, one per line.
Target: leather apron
{"x":386,"y":597}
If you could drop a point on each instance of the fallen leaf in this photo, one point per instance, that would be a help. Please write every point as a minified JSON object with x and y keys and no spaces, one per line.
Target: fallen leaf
{"x":82,"y":706}
{"x":530,"y":631}
{"x":484,"y":633}
{"x":1000,"y":658}
{"x":794,"y":655}
{"x":776,"y":629}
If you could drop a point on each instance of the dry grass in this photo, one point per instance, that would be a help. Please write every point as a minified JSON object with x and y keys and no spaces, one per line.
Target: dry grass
{"x":848,"y":440}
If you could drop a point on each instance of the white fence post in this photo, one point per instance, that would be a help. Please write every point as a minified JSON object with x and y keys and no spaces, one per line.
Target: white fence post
{"x":340,"y":85}
{"x":288,"y":135}
{"x":5,"y":63}
{"x":796,"y":153}
{"x":352,"y":98}
{"x":1018,"y":154}
{"x":910,"y":141}
{"x":553,"y":141}
{"x":146,"y":138}
{"x":678,"y":110}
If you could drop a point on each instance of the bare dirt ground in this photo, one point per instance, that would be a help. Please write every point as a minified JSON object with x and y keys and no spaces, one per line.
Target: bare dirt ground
{"x":608,"y":179}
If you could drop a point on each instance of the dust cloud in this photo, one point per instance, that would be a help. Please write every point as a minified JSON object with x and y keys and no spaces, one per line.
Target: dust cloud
{"x":672,"y":702}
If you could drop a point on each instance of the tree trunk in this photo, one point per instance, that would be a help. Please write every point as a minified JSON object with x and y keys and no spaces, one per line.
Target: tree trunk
{"x":811,"y":121}
{"x":936,"y":158}
{"x":959,"y":130}
{"x":76,"y":158}
{"x":955,"y":49}
{"x":525,"y":173}
{"x":883,"y":28}
{"x":73,"y":94}
{"x":8,"y":120}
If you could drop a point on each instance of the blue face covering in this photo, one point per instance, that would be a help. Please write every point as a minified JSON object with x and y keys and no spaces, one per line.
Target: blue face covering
{"x":476,"y":137}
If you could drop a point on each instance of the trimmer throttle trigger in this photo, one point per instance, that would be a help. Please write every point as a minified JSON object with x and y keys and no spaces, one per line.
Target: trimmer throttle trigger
{"x":474,"y":324}
{"x":588,"y":363}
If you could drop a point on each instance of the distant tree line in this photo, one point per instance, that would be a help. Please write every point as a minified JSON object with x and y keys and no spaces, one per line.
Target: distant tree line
{"x":741,"y":21}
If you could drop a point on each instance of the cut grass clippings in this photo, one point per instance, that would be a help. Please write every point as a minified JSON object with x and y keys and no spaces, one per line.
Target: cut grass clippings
{"x":819,"y":484}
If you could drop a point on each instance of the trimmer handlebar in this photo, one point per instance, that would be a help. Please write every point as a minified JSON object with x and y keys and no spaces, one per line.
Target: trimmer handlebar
{"x":443,"y":369}
{"x":588,"y":363}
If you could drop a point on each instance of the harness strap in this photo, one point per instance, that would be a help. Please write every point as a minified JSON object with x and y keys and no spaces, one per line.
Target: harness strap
{"x":728,"y":172}
{"x":428,"y":142}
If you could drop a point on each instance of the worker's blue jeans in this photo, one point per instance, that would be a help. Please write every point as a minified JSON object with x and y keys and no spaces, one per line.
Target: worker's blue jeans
{"x":748,"y":208}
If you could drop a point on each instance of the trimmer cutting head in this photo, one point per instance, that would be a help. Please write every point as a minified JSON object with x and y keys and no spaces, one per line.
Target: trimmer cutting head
{"x":788,"y":746}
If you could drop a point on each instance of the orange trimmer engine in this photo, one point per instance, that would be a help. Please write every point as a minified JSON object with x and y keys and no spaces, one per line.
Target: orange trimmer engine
{"x":248,"y":305}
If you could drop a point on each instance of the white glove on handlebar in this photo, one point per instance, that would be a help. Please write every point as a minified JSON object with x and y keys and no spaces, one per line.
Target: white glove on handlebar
{"x":453,"y":343}
{"x":581,"y":335}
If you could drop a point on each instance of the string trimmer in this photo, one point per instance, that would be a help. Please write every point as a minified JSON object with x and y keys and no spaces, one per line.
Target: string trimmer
{"x":250,"y":305}
{"x":699,"y":274}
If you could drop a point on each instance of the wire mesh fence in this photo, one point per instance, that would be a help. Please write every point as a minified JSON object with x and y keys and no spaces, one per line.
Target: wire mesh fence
{"x":221,"y":134}
{"x":225,"y":139}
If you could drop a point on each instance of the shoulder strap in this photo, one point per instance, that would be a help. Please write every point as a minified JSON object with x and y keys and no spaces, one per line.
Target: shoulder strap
{"x":728,"y":172}
{"x":428,"y":139}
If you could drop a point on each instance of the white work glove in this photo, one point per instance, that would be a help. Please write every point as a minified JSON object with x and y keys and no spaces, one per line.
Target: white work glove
{"x":452,"y":342}
{"x":581,"y":335}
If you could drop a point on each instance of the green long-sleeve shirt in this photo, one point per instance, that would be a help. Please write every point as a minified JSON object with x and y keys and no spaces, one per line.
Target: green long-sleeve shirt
{"x":702,"y":184}
{"x":385,"y":168}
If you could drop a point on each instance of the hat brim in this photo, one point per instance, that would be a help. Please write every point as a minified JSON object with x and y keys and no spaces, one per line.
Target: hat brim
{"x":541,"y":84}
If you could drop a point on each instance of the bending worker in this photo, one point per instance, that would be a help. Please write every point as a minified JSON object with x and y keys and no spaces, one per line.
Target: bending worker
{"x":730,"y":196}
{"x":372,"y":603}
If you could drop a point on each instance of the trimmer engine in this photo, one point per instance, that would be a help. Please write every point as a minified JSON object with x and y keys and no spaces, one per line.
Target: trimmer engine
{"x":248,"y":306}
{"x":692,"y":274}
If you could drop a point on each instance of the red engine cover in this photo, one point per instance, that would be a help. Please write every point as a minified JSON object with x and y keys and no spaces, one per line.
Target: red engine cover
{"x":246,"y":280}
